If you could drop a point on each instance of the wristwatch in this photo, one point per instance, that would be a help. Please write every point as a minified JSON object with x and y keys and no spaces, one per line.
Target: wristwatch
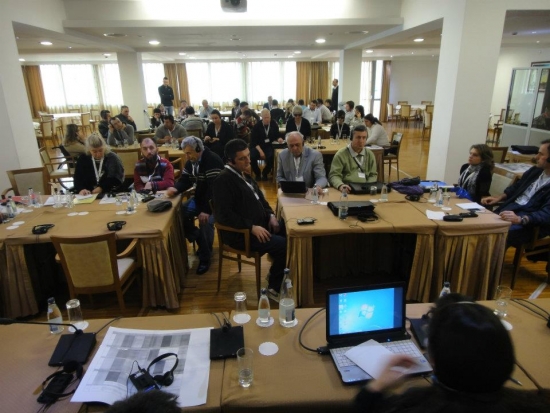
{"x":524,"y":220}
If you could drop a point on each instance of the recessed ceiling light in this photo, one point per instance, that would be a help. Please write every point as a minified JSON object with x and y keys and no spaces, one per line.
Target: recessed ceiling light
{"x":21,"y":60}
{"x":419,"y":39}
{"x":320,"y":41}
{"x":182,"y":54}
{"x":290,"y":56}
{"x":538,"y":41}
{"x":235,"y":39}
{"x":70,"y":47}
{"x":106,"y":54}
{"x":297,"y":52}
{"x":412,"y":52}
{"x":391,"y":55}
{"x":369,"y":51}
{"x":16,"y":37}
{"x":46,"y":43}
{"x":114,"y":35}
{"x":534,"y":32}
{"x":154,"y":42}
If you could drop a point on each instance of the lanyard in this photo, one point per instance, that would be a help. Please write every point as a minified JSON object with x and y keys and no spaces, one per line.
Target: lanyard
{"x":355,"y":158}
{"x":267,"y":130}
{"x":98,"y":172}
{"x":340,"y":129}
{"x":298,"y":126}
{"x":245,"y":181}
{"x":297,"y":162}
{"x":154,"y":169}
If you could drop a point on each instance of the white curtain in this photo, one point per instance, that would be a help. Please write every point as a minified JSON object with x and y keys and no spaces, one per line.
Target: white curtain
{"x":365,"y":94}
{"x":198,"y":78}
{"x":108,"y":87}
{"x":277,"y":79}
{"x":152,"y":75}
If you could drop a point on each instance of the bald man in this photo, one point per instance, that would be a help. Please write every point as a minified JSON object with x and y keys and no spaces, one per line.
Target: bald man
{"x":152,"y":172}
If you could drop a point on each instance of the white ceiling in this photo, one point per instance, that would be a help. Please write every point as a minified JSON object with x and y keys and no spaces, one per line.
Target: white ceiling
{"x":84,"y":40}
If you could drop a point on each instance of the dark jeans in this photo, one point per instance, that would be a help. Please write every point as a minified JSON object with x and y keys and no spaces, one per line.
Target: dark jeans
{"x":255,"y":156}
{"x":204,"y":235}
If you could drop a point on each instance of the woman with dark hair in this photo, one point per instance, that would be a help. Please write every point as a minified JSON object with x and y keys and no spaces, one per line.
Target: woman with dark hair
{"x":472,"y":356}
{"x":218,"y":133}
{"x":357,"y":120}
{"x":376,"y":133}
{"x":235,"y":112}
{"x":74,"y":141}
{"x":477,"y":174}
{"x":339,"y":129}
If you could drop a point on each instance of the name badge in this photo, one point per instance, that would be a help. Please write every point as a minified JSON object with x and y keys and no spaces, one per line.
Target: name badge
{"x":299,"y":179}
{"x":266,"y":140}
{"x":144,"y":179}
{"x":361,"y":175}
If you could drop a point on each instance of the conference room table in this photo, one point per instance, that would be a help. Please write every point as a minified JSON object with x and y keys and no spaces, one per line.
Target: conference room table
{"x":468,"y":254}
{"x":328,"y":151}
{"x":512,"y":169}
{"x":292,"y":380}
{"x":162,"y":249}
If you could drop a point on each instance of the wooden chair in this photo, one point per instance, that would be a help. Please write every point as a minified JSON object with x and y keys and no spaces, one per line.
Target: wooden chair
{"x":393,"y":155}
{"x":499,"y":153}
{"x":199,"y":133}
{"x":85,"y":122}
{"x":497,"y":127}
{"x":402,"y":102}
{"x":129,"y":158}
{"x":47,"y":132}
{"x":405,"y":114}
{"x":23,"y":179}
{"x":57,"y":168}
{"x":427,"y":126}
{"x":426,"y":102}
{"x":178,"y":163}
{"x":500,"y":182}
{"x":91,"y":265}
{"x":391,"y":115}
{"x":224,"y":249}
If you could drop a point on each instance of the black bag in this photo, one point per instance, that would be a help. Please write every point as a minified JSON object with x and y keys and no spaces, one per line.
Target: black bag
{"x":159,"y":205}
{"x":525,"y":150}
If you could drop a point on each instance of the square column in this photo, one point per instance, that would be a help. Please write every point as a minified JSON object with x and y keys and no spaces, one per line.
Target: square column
{"x":133,"y":87}
{"x":349,"y":79}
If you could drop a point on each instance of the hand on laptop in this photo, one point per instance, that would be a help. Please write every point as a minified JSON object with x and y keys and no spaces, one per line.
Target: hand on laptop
{"x":393,"y":374}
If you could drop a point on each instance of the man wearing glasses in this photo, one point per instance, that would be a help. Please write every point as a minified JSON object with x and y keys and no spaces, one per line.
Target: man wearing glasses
{"x":298,"y":124}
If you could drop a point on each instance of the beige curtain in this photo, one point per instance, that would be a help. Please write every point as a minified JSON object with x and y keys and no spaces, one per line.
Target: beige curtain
{"x":384,"y":100}
{"x":183,"y":85}
{"x":312,"y":80}
{"x":35,"y":91}
{"x":171,"y":73}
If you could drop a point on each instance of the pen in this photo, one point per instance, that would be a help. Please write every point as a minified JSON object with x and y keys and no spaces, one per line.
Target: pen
{"x":515,"y":381}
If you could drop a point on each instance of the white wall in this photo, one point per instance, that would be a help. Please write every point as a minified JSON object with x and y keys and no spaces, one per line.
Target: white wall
{"x":413,"y":81}
{"x":511,"y":58}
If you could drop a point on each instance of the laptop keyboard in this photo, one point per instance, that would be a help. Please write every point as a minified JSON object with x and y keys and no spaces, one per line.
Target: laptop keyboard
{"x":397,"y":347}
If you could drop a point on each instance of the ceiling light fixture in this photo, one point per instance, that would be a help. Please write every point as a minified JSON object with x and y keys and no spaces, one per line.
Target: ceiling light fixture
{"x":419,"y":39}
{"x":21,"y":60}
{"x":46,"y":43}
{"x":235,"y":39}
{"x":114,"y":35}
{"x":290,"y":57}
{"x":320,"y":41}
{"x":369,"y":51}
{"x":106,"y":54}
{"x":182,"y":54}
{"x":297,"y":52}
{"x":154,"y":42}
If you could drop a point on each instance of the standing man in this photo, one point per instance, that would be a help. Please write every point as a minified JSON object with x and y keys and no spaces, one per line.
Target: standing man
{"x":263,"y":135}
{"x":152,"y":172}
{"x":166,"y":94}
{"x":125,"y":117}
{"x":269,"y":104}
{"x":527,"y":202}
{"x":239,"y":203}
{"x":202,"y":168}
{"x":299,"y":163}
{"x":119,"y":133}
{"x":103,"y":124}
{"x":206,"y":110}
{"x":312,"y":114}
{"x":335,"y":94}
{"x":354,"y":163}
{"x":170,"y":130}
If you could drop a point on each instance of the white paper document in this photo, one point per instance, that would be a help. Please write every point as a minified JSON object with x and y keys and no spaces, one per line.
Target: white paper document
{"x":471,"y":205}
{"x":371,"y":356}
{"x":436,"y":215}
{"x":106,"y":379}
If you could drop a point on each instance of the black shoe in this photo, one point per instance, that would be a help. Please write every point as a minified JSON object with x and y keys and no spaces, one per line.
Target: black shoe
{"x":203,"y":267}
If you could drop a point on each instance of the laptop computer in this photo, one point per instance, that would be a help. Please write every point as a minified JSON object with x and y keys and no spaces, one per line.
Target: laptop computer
{"x":359,"y":314}
{"x":360,"y":188}
{"x":293,"y":187}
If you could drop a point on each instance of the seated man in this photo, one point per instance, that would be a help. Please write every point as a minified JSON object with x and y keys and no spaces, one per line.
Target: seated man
{"x":245,"y":122}
{"x":103,"y":124}
{"x":170,"y":130}
{"x":301,"y":163}
{"x":269,"y":104}
{"x":263,"y":135}
{"x":326,"y":116}
{"x":206,"y":110}
{"x":276,"y":112}
{"x":239,"y":203}
{"x":100,"y":171}
{"x":125,"y":117}
{"x":192,"y":121}
{"x":157,"y":119}
{"x":152,"y":172}
{"x":339,"y":129}
{"x":350,"y":112}
{"x":354,"y":163}
{"x":527,"y":202}
{"x":119,"y":133}
{"x":201,"y":169}
{"x":312,"y":114}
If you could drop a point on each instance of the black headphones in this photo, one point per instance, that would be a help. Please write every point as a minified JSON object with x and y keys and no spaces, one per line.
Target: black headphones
{"x":198,"y":148}
{"x":69,"y":367}
{"x":167,"y":378}
{"x":115,"y":225}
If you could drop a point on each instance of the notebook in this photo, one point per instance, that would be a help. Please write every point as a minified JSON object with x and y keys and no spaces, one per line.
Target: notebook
{"x":359,"y":314}
{"x":364,"y":187}
{"x":293,"y":187}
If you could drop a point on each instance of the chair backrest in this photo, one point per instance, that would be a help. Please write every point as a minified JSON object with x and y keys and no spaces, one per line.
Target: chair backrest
{"x":427,"y":120}
{"x":499,"y":153}
{"x":389,"y":110}
{"x":85,"y":118}
{"x":502,"y":114}
{"x":199,"y":133}
{"x":405,"y":111}
{"x":46,"y":127}
{"x":426,"y":102}
{"x":46,"y":159}
{"x":95,"y":115}
{"x":516,"y":118}
{"x":129,"y":158}
{"x":396,"y":139}
{"x":150,"y":111}
{"x":46,"y":117}
{"x":89,"y":262}
{"x":500,"y":182}
{"x":430,"y":109}
{"x":74,"y":110}
{"x":23,"y":179}
{"x":402,"y":102}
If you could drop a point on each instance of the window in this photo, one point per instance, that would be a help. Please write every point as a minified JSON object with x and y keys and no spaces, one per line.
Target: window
{"x":68,"y":85}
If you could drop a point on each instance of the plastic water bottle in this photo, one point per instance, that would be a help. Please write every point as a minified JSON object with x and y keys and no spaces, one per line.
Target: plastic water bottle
{"x":54,"y":316}
{"x":446,"y":289}
{"x":384,"y":194}
{"x":343,"y":208}
{"x":12,"y":208}
{"x":32,"y":198}
{"x":439,"y":199}
{"x":319,"y":142}
{"x":264,"y":309}
{"x":287,"y":316}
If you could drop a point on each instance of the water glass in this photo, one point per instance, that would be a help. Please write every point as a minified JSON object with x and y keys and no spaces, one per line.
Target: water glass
{"x":37,"y":202}
{"x":373,"y":190}
{"x":446,"y":202}
{"x":25,"y":200}
{"x":314,"y":195}
{"x":74,"y":312}
{"x":502,"y":297}
{"x":245,"y":366}
{"x":70,"y":200}
{"x":433,"y":195}
{"x":241,"y":314}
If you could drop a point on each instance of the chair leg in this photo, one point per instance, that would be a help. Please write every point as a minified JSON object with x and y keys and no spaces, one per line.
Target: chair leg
{"x":239,"y":262}
{"x":516,"y":262}
{"x":220,"y":267}
{"x":397,"y":163}
{"x":121,"y":302}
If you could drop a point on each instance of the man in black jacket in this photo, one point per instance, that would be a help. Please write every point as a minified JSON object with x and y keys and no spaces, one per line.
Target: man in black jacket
{"x":239,"y":203}
{"x":527,"y":202}
{"x":166,"y":94}
{"x":125,"y":117}
{"x":104,"y":123}
{"x":335,"y":94}
{"x":263,"y":135}
{"x":201,"y":169}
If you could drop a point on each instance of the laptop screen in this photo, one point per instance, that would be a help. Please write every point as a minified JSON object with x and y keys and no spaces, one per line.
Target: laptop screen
{"x":360,"y":311}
